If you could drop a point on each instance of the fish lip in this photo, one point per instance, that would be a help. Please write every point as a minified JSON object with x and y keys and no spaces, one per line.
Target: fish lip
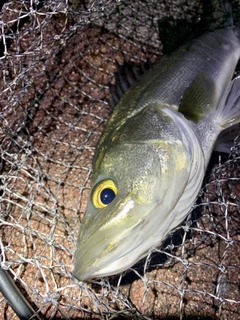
{"x":95,"y":272}
{"x":91,"y":273}
{"x":107,"y":268}
{"x":100,"y":265}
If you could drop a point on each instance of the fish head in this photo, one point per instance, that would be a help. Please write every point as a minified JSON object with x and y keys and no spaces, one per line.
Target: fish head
{"x":133,"y":193}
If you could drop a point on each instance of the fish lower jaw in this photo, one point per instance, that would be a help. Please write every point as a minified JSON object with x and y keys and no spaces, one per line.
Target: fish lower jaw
{"x":115,"y":267}
{"x":110,"y":269}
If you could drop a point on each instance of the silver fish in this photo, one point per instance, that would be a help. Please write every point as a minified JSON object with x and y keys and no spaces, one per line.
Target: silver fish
{"x":151,"y":158}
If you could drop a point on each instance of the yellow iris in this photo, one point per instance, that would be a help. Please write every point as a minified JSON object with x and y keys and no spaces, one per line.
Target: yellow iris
{"x":103,"y":193}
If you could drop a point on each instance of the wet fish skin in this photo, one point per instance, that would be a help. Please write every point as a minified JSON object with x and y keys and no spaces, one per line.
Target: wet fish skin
{"x":156,"y":147}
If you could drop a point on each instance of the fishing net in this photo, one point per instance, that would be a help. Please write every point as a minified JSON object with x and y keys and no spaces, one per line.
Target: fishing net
{"x":57,"y":59}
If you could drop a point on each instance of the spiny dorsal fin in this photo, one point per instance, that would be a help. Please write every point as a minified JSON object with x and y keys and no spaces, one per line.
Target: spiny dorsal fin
{"x":198,"y":98}
{"x":125,"y":76}
{"x":173,"y":33}
{"x":216,"y":14}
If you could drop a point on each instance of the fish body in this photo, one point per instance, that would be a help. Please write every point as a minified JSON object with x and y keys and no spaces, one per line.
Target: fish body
{"x":151,"y":158}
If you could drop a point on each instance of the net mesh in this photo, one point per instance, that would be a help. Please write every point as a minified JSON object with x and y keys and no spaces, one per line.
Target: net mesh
{"x":57,"y":59}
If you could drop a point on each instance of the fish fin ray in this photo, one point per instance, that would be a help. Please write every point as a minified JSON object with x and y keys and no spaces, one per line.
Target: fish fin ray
{"x":230,"y":114}
{"x":198,"y":98}
{"x":225,"y":140}
{"x":216,"y":14}
{"x":125,"y":76}
{"x":173,"y":33}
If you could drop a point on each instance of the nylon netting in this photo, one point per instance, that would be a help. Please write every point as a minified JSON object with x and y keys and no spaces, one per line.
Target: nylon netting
{"x":57,"y":59}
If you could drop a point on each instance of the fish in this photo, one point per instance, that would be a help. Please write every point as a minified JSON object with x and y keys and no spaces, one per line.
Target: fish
{"x":151,"y":158}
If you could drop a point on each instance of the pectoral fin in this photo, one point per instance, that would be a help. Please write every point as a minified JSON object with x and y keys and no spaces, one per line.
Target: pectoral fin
{"x":198,"y":99}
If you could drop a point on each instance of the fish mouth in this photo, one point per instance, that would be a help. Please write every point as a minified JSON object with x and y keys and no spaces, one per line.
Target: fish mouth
{"x":115,"y":246}
{"x":104,"y":248}
{"x":110,"y":268}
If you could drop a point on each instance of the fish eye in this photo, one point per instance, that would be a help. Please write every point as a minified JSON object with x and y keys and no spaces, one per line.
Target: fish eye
{"x":104,"y":193}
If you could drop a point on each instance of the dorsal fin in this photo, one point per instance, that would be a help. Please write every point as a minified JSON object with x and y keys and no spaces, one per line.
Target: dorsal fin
{"x":173,"y":33}
{"x":216,"y":14}
{"x":125,"y":76}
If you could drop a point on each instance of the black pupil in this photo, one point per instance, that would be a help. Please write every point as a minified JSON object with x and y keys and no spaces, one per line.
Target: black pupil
{"x":107,"y":195}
